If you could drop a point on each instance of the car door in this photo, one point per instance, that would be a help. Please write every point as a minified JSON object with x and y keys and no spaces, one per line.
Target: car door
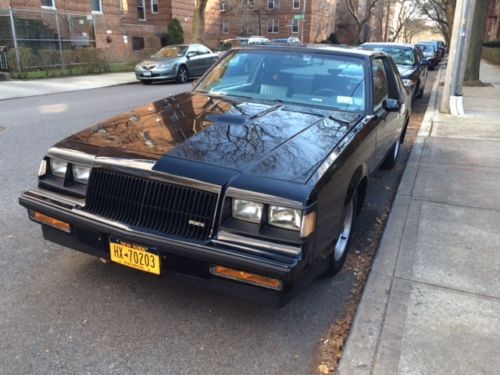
{"x":193,"y":61}
{"x":207,"y":58}
{"x":384,"y":87}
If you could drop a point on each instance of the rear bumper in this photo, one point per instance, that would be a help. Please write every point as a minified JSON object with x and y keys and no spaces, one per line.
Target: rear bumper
{"x":189,"y":260}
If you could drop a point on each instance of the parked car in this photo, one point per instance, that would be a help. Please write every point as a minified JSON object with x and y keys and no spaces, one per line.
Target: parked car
{"x":289,"y":40}
{"x":430,"y":54}
{"x":410,"y":61}
{"x":248,"y":185}
{"x":229,"y":44}
{"x":438,"y":46}
{"x":177,"y":62}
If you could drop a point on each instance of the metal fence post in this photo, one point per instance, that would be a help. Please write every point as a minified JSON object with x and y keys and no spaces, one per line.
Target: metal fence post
{"x":14,"y":37}
{"x":59,"y":39}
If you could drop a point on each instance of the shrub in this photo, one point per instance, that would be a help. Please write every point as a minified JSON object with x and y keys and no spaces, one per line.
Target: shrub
{"x":492,"y":43}
{"x":92,"y":60}
{"x":175,"y":34}
{"x":27,"y":59}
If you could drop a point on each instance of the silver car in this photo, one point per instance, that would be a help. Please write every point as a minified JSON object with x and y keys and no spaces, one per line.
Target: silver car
{"x":177,"y":62}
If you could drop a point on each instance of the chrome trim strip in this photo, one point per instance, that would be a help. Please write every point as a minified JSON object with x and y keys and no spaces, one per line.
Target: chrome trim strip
{"x":71,"y":155}
{"x":226,"y":238}
{"x":64,"y":199}
{"x":263,"y":198}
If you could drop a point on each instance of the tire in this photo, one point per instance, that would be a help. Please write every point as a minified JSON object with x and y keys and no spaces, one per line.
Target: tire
{"x":145,"y":82}
{"x":338,"y":256}
{"x":392,"y":156}
{"x":182,"y":74}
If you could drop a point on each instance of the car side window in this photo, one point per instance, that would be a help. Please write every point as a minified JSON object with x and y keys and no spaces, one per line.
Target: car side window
{"x":380,"y":84}
{"x":202,"y":50}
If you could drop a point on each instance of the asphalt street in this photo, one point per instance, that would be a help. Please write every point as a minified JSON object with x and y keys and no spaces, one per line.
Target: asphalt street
{"x":65,"y":312}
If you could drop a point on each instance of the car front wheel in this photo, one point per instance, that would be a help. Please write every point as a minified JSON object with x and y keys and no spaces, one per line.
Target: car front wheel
{"x":341,"y":246}
{"x":182,"y":74}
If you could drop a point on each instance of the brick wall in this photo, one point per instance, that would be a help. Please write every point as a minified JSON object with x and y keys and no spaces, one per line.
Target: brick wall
{"x":493,"y":20}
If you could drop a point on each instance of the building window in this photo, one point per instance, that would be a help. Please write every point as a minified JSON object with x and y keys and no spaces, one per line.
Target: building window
{"x":137,"y":43}
{"x":49,"y":3}
{"x":141,"y":10}
{"x":224,"y":25}
{"x":96,"y":6}
{"x":223,"y":5}
{"x":273,"y":26}
{"x":124,"y":6}
{"x":273,"y":4}
{"x":295,"y":26}
{"x":154,"y":6}
{"x":295,"y":4}
{"x":247,"y":28}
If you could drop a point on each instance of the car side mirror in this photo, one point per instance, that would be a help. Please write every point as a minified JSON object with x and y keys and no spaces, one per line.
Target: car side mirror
{"x":190,"y":54}
{"x":195,"y":82}
{"x":392,"y":105}
{"x":426,"y":62}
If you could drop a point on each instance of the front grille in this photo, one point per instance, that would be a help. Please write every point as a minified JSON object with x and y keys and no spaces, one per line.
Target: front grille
{"x":154,"y":205}
{"x":148,"y":67}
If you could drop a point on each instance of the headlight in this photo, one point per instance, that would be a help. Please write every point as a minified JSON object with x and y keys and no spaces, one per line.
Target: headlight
{"x":248,"y":211}
{"x":165,"y":66}
{"x":138,"y":67}
{"x":81,"y":173}
{"x":284,"y":217}
{"x":408,"y":82}
{"x":58,"y":167}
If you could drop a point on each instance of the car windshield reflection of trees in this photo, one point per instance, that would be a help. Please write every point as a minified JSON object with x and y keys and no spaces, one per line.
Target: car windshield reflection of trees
{"x":321,"y":80}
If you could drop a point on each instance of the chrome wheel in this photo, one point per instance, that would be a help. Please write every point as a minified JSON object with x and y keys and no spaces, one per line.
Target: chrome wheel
{"x":343,"y":240}
{"x":182,"y":76}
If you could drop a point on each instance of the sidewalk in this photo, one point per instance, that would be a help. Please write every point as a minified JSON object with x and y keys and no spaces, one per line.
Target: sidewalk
{"x":20,"y":89}
{"x":432,"y":301}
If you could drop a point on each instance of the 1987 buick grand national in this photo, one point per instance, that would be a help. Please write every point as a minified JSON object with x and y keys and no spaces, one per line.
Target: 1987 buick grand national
{"x":248,"y":184}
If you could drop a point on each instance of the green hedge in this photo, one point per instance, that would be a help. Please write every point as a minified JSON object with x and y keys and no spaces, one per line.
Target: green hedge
{"x":491,"y":55}
{"x":80,"y":60}
{"x":492,"y":43}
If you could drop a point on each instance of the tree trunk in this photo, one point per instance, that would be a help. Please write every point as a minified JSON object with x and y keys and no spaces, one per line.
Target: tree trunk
{"x":198,"y":20}
{"x":476,"y":42}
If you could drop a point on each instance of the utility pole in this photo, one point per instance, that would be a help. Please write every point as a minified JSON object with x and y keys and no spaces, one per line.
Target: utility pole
{"x":452,"y":101}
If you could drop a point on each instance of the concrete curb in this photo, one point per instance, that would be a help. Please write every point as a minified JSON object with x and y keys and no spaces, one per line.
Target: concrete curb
{"x":69,"y":91}
{"x":361,"y":348}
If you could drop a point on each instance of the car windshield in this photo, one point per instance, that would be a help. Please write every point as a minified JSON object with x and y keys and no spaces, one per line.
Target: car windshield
{"x":313,"y":79}
{"x":427,"y":48}
{"x":176,"y":51}
{"x":401,"y":55}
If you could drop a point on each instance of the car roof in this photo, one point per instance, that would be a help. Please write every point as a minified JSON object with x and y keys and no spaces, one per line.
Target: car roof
{"x":404,"y":45}
{"x":349,"y":51}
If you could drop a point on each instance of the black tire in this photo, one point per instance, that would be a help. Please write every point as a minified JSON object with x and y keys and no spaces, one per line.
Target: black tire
{"x":182,"y":74}
{"x":338,"y":255}
{"x":145,"y":82}
{"x":392,"y":156}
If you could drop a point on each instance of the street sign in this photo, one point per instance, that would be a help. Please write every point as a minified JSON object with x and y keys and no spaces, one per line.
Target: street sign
{"x":298,"y":16}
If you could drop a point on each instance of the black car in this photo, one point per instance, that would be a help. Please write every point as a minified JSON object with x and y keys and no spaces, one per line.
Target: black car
{"x":410,"y":61}
{"x":431,"y":54}
{"x":247,"y":185}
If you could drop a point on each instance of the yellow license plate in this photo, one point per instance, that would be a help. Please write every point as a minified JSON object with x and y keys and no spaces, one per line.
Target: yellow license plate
{"x":134,"y":256}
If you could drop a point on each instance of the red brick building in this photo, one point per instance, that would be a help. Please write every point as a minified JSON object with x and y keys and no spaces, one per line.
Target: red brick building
{"x":125,"y":29}
{"x":493,"y":20}
{"x":309,"y":20}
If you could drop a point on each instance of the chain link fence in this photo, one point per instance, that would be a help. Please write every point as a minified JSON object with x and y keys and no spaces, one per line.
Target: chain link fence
{"x":46,"y":39}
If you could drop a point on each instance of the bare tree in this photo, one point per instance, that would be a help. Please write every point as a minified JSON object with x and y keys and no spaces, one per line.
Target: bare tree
{"x":441,"y":12}
{"x":198,"y":19}
{"x":476,"y":43}
{"x":361,"y":14}
{"x":405,"y":10}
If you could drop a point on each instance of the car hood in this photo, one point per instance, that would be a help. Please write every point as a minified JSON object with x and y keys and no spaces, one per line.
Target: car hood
{"x":269,"y":140}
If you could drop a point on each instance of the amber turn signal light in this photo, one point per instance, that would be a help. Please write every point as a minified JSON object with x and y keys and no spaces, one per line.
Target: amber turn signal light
{"x":50,"y":221}
{"x":246,"y":277}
